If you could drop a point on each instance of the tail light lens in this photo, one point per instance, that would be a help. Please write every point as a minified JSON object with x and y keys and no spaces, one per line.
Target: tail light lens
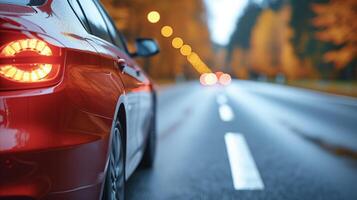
{"x":28,"y":61}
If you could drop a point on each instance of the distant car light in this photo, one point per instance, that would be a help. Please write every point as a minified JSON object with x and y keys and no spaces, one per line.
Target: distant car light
{"x":219,"y":74}
{"x":225,"y":79}
{"x":203,"y":78}
{"x":211,"y":79}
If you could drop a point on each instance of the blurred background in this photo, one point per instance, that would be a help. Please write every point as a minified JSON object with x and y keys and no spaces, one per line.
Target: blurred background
{"x":254,"y":137}
{"x":307,"y":43}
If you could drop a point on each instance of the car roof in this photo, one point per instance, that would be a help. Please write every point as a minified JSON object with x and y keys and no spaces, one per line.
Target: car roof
{"x":24,"y":2}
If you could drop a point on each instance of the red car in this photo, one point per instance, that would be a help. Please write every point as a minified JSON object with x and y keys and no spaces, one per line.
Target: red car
{"x":77,"y":114}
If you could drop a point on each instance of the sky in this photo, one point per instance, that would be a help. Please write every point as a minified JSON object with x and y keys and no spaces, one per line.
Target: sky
{"x":222,"y":18}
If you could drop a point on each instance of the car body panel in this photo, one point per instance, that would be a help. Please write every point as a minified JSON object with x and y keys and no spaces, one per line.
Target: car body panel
{"x":58,"y":136}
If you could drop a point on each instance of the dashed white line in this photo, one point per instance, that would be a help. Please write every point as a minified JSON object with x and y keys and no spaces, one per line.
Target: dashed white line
{"x":225,"y":111}
{"x":244,"y":171}
{"x":221,"y":99}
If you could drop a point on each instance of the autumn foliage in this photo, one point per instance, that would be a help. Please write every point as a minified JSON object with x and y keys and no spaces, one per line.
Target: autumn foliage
{"x":270,"y":51}
{"x":186,"y":17}
{"x":337,"y":24}
{"x":294,"y":39}
{"x":299,"y":39}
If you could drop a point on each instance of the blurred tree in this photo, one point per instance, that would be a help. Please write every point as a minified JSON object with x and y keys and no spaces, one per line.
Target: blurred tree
{"x":219,"y":63}
{"x":241,"y":36}
{"x":263,"y":45}
{"x":271,"y":52}
{"x":290,"y":64}
{"x":337,"y":24}
{"x":239,"y":43}
{"x":307,"y":47}
{"x":238,"y":63}
{"x":264,"y":48}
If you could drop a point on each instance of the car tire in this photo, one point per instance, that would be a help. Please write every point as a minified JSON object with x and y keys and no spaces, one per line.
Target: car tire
{"x":150,"y":148}
{"x":114,"y":187}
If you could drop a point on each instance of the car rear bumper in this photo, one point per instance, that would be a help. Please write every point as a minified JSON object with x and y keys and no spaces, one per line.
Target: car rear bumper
{"x":74,"y":172}
{"x":49,"y":147}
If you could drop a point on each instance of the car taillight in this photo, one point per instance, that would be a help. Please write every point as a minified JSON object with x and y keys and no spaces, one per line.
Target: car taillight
{"x":28,"y":61}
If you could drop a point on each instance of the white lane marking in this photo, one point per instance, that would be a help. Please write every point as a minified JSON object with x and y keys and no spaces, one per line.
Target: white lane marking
{"x":221,"y":99}
{"x":226,"y":113}
{"x":244,"y":171}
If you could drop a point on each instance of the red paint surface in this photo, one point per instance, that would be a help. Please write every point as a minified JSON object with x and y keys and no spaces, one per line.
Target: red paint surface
{"x":54,"y":137}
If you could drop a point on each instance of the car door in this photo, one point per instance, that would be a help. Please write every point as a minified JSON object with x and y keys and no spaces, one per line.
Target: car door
{"x":146,"y":114}
{"x":131,"y":74}
{"x":103,"y":42}
{"x":142,"y":87}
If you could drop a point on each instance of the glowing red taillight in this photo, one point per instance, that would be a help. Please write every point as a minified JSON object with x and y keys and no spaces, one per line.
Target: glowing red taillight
{"x":28,"y":63}
{"x":26,"y":45}
{"x":37,"y":73}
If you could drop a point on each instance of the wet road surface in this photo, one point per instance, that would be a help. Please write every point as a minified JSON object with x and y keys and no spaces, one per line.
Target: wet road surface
{"x":251,"y":141}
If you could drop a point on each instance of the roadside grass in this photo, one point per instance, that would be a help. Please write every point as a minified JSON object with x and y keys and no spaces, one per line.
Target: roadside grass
{"x":347,"y":88}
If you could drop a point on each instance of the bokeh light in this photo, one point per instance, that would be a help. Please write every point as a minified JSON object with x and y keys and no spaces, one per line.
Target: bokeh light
{"x":186,"y":50}
{"x":225,"y":79}
{"x":202,"y":78}
{"x":177,"y":42}
{"x":166,"y":31}
{"x":193,"y":58}
{"x":208,"y":79}
{"x":219,"y":74}
{"x":153,"y":17}
{"x":211,"y":79}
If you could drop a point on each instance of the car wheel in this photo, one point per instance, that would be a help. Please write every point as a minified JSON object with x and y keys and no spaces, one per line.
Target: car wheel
{"x":150,"y":149}
{"x":114,"y":188}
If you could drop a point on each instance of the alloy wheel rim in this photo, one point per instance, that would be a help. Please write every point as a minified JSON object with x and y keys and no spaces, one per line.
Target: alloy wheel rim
{"x":116,"y":167}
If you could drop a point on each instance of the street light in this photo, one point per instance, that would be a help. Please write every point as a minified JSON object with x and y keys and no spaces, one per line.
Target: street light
{"x":193,"y":58}
{"x":166,"y":31}
{"x":153,"y":17}
{"x":186,"y":50}
{"x":177,"y":42}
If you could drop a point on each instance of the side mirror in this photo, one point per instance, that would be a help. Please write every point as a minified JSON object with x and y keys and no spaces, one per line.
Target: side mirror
{"x":146,"y":47}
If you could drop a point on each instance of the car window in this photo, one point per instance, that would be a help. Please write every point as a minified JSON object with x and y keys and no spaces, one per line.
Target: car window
{"x":113,"y":31}
{"x":95,"y":20}
{"x":79,"y":13}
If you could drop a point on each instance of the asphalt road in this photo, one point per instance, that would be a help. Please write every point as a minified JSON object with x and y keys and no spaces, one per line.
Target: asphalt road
{"x":299,"y":145}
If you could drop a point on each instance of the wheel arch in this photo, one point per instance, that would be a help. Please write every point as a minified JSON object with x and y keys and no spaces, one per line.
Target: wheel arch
{"x":121,"y":116}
